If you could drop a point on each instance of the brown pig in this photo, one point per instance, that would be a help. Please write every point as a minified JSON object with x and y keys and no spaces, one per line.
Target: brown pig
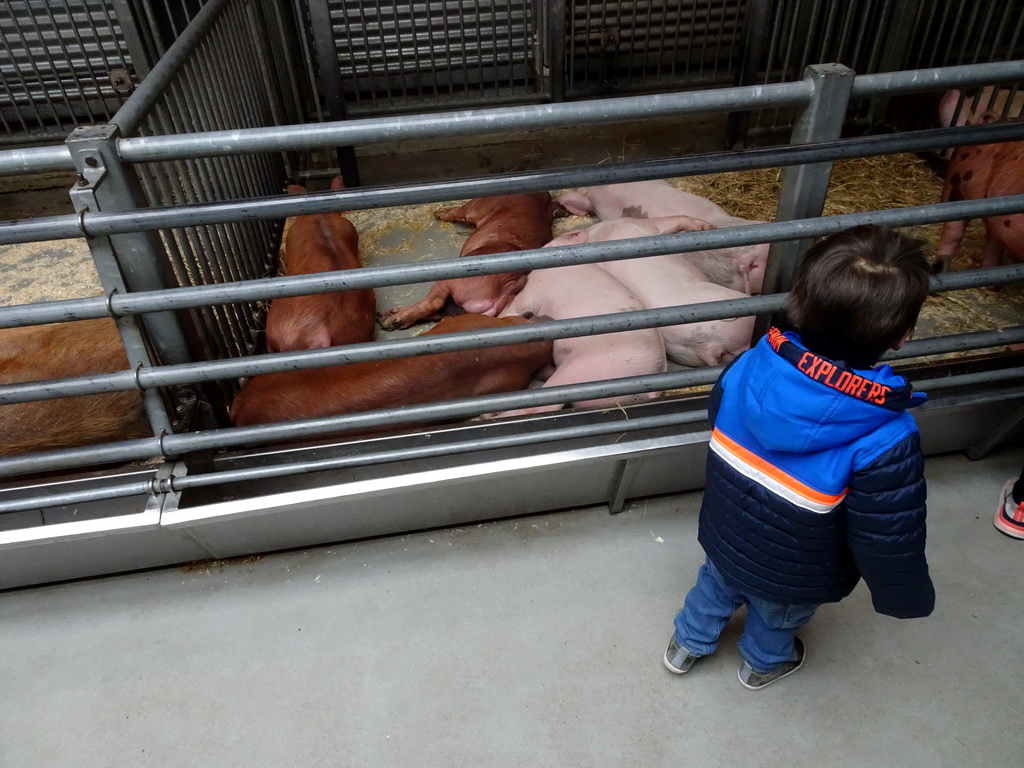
{"x":274,"y":397}
{"x":322,"y":242}
{"x":66,"y":349}
{"x":974,"y":173}
{"x":504,"y":223}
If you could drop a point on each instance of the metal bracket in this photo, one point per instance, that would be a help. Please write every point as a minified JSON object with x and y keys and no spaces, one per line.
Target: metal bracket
{"x":623,"y":479}
{"x":83,"y":193}
{"x":981,"y":448}
{"x":121,"y":80}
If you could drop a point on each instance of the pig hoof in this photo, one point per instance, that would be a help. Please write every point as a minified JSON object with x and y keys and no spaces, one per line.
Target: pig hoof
{"x":388,"y":320}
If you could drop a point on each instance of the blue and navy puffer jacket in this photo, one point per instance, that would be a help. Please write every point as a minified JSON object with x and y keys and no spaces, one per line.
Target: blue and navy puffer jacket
{"x":815,"y":479}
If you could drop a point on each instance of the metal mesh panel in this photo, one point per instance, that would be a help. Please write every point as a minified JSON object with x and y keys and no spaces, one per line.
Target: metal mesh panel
{"x":65,"y":63}
{"x":61,"y":64}
{"x":969,"y":33}
{"x":951,"y":32}
{"x":402,"y":56}
{"x":649,"y":44}
{"x":232,"y":80}
{"x":883,"y":35}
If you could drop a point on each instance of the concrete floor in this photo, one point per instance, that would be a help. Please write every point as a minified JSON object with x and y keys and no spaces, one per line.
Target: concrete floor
{"x":530,"y":641}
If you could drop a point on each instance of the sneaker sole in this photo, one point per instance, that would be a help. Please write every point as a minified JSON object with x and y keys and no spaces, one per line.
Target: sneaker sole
{"x":1004,"y":526}
{"x":780,"y":677}
{"x":674,"y":670}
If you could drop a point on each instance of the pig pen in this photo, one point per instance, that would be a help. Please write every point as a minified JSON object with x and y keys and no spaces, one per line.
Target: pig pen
{"x":205,"y":490}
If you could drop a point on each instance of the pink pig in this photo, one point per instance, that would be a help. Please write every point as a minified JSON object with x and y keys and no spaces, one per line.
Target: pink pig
{"x":583,"y":290}
{"x":669,"y":281}
{"x":740,"y":268}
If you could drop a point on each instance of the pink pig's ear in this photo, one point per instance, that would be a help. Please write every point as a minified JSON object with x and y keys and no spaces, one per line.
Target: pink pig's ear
{"x":575,"y":237}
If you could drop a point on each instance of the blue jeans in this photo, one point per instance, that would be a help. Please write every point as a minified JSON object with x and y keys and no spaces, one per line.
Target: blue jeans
{"x":767,"y":639}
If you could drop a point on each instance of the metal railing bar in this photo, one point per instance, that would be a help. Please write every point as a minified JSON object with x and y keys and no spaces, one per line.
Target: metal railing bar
{"x":171,"y":375}
{"x":403,"y":274}
{"x":625,"y":425}
{"x":468,"y":122}
{"x":120,"y":490}
{"x":560,"y":115}
{"x":177,"y":444}
{"x":936,"y":78}
{"x":100,"y":223}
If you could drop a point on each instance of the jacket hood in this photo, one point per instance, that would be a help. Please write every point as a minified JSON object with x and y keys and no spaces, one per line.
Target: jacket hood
{"x":794,"y":400}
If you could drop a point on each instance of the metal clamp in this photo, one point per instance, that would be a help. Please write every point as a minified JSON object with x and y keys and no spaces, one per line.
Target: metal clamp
{"x":110,"y":302}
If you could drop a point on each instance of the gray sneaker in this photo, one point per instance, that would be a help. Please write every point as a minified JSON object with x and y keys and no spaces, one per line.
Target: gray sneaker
{"x":677,"y":659}
{"x":755,"y":681}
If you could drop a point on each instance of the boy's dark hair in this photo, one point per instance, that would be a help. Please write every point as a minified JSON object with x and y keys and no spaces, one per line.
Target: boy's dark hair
{"x":858,"y":292}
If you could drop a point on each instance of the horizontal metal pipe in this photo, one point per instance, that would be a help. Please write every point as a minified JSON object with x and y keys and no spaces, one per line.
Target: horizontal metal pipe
{"x":961,"y":342}
{"x":969,"y":379}
{"x":181,"y":484}
{"x":172,"y":375}
{"x":103,"y":224}
{"x":35,"y":160}
{"x":468,"y":122}
{"x":937,"y":78}
{"x":100,"y":493}
{"x":560,"y":115}
{"x":179,"y":444}
{"x":135,"y":488}
{"x":622,"y":426}
{"x":402,"y":274}
{"x":543,"y":396}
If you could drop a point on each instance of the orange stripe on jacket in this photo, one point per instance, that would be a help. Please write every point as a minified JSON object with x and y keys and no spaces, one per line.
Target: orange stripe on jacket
{"x":774,"y":472}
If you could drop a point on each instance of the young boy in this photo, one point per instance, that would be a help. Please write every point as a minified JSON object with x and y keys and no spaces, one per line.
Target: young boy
{"x":815,"y":477}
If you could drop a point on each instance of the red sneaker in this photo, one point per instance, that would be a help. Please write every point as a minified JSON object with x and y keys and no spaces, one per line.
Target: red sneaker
{"x":1010,"y":518}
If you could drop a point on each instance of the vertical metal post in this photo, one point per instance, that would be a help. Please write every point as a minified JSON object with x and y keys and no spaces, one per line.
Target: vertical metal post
{"x":804,"y":187}
{"x":625,"y":473}
{"x":555,"y":48}
{"x":129,"y":262}
{"x":133,"y":38}
{"x":755,"y":33}
{"x":330,"y":82}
